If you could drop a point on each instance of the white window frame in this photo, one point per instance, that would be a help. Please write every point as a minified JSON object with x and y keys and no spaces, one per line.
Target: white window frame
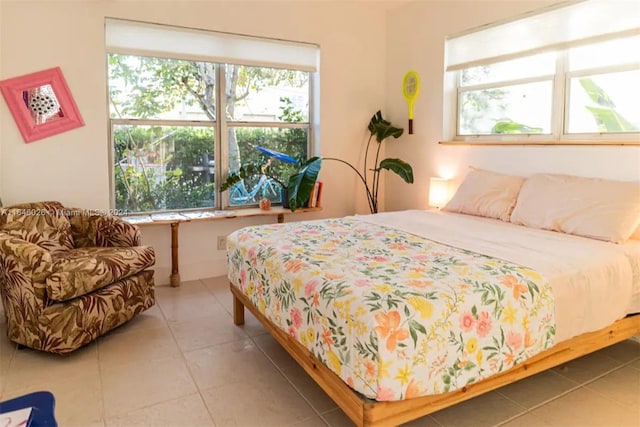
{"x":115,"y":42}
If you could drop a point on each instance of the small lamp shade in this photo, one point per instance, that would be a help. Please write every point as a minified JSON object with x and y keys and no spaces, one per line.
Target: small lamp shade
{"x":438,"y":192}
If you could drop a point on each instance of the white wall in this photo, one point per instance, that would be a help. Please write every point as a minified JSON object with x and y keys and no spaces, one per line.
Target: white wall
{"x":415,"y":40}
{"x":73,"y":167}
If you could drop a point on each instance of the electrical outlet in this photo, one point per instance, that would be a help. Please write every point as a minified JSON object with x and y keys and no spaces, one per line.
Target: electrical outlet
{"x":222,"y":243}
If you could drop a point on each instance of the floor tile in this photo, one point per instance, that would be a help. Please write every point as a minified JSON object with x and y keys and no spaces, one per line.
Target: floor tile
{"x":486,"y":410}
{"x":617,"y":385}
{"x":312,"y":392}
{"x":426,"y":421}
{"x":265,"y":399}
{"x":32,"y":366}
{"x":537,"y":389}
{"x":624,"y":351}
{"x":149,"y":319}
{"x":132,"y":386}
{"x":227,"y":363}
{"x":137,"y":346}
{"x":526,"y":420}
{"x":252,"y":326}
{"x":178,"y":305}
{"x":217,"y":284}
{"x":584,"y":407}
{"x":311,"y":422}
{"x":274,"y":351}
{"x":337,"y":418}
{"x":185,"y":411}
{"x":587,"y":367}
{"x":206,"y":331}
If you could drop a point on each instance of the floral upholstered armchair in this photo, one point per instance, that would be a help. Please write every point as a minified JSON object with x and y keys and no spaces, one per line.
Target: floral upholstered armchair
{"x":68,"y":276}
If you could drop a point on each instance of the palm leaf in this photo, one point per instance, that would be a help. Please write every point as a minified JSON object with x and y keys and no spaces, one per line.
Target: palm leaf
{"x":382,"y":128}
{"x":400,"y":167}
{"x":301,"y":183}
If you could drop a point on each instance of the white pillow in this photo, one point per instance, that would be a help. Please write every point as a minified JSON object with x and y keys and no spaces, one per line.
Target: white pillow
{"x":486,"y":193}
{"x":590,"y":207}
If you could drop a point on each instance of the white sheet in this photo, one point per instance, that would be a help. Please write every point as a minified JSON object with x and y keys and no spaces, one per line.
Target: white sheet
{"x":592,"y":281}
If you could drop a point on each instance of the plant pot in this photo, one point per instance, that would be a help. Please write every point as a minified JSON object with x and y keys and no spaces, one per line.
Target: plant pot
{"x":284,"y":194}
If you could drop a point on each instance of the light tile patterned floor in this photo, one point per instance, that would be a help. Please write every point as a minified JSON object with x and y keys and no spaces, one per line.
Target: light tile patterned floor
{"x":184,"y":363}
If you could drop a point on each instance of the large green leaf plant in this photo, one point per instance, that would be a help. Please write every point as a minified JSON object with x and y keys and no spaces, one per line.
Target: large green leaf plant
{"x":380,"y":129}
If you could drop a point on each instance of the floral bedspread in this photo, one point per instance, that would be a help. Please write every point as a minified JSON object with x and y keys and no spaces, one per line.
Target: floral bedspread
{"x":393,"y":314}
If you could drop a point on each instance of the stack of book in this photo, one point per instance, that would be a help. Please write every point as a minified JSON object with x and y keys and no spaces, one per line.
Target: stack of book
{"x":316,"y":196}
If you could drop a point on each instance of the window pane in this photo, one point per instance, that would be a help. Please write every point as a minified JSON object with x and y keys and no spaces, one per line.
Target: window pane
{"x":524,"y":108}
{"x":267,"y":94}
{"x":614,"y":52}
{"x":531,"y":66}
{"x":143,"y":87}
{"x":242,"y":151}
{"x":605,"y":103}
{"x":160,"y":168}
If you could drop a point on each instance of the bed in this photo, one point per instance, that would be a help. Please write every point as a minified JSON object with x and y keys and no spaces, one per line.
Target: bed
{"x":398,"y":315}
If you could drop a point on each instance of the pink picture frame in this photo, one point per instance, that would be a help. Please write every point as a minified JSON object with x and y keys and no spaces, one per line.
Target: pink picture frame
{"x":41,"y":104}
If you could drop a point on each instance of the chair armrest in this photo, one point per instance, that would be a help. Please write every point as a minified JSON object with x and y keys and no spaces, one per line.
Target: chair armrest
{"x":24,"y":268}
{"x":103,"y":231}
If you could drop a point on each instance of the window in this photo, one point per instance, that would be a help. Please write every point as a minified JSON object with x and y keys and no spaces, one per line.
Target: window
{"x":552,"y":84}
{"x":180,"y":123}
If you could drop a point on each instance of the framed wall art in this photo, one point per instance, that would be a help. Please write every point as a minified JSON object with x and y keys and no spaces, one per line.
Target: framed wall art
{"x":41,"y":104}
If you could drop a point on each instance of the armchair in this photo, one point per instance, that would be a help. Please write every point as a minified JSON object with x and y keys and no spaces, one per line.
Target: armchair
{"x":68,"y":276}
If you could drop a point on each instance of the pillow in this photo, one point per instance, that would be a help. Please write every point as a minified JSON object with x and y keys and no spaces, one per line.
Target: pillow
{"x":589,"y":207}
{"x":485,"y":193}
{"x":49,"y":231}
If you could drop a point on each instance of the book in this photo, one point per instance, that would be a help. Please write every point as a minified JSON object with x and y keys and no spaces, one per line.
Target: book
{"x":312,"y":197}
{"x":17,"y":418}
{"x":319,"y":195}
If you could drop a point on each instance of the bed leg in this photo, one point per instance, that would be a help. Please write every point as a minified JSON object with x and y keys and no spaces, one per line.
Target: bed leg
{"x":238,"y":311}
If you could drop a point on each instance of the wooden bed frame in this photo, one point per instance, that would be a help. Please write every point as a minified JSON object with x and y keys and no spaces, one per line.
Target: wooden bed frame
{"x":367,"y":412}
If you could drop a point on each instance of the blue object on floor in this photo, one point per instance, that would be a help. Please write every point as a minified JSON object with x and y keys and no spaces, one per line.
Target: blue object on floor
{"x":43,"y":404}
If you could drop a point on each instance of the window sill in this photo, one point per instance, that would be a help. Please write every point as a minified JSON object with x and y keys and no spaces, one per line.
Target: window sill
{"x":208,"y":215}
{"x":543,"y":142}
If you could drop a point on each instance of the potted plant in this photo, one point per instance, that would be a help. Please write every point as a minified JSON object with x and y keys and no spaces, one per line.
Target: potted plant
{"x":300,"y":183}
{"x":381,"y":129}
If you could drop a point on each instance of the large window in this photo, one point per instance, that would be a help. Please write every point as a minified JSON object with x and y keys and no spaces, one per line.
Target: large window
{"x":537,"y":82}
{"x":179,"y":125}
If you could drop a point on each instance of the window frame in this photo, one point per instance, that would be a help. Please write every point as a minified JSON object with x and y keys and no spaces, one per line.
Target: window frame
{"x":559,"y":109}
{"x":221,"y":126}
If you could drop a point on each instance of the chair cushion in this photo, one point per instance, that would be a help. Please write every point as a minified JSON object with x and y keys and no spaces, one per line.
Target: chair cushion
{"x":47,"y":229}
{"x":77,"y":272}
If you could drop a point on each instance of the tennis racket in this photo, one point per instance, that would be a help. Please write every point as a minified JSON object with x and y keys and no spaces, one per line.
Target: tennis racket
{"x":410,"y":90}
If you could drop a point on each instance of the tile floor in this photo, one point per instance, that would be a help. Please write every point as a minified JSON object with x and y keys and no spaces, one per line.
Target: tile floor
{"x":184,"y":363}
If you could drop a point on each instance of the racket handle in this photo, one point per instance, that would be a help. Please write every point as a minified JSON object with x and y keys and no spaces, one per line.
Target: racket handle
{"x":410,"y":126}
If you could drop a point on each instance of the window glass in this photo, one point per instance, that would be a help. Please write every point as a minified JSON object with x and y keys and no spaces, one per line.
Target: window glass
{"x":266,"y":94}
{"x":143,"y":87}
{"x":531,"y":66}
{"x":163,"y":167}
{"x":516,"y":109}
{"x":290,"y":141}
{"x":604,"y":103}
